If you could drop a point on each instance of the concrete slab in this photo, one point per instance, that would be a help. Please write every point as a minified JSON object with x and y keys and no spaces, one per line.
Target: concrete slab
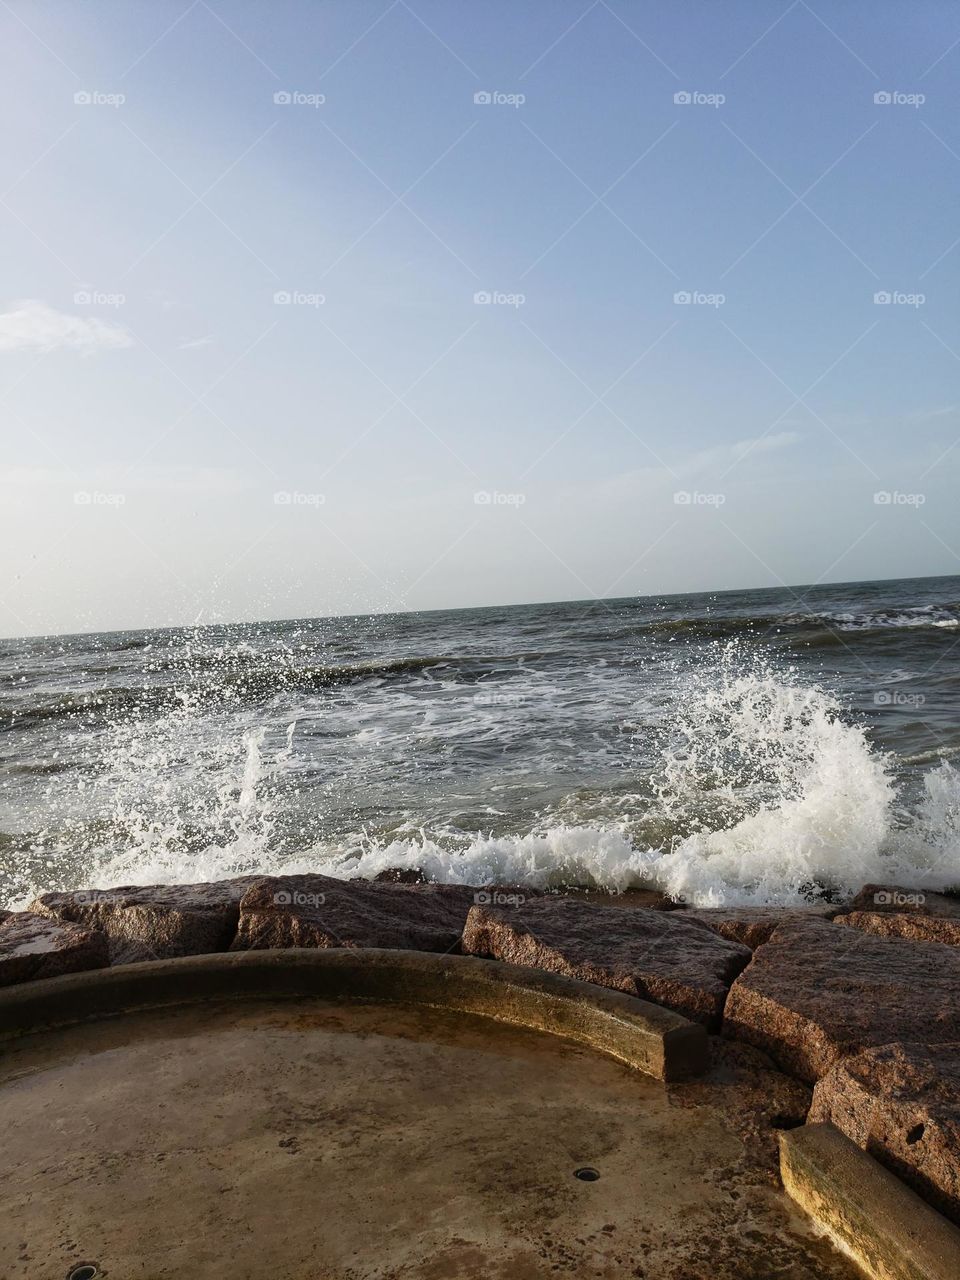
{"x":307,"y":1140}
{"x":657,"y":1041}
{"x":887,"y":1229}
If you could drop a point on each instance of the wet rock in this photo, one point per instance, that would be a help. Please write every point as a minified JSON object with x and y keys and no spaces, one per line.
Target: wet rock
{"x":896,"y":899}
{"x":319,"y":911}
{"x":657,"y":955}
{"x":34,"y":946}
{"x":901,"y":1103}
{"x":400,"y":875}
{"x":154,"y":922}
{"x":752,"y":1098}
{"x":892,"y":911}
{"x":652,"y":899}
{"x":752,"y":926}
{"x":817,"y":992}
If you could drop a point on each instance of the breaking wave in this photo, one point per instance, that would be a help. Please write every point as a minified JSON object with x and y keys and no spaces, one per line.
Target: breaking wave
{"x":762,"y":789}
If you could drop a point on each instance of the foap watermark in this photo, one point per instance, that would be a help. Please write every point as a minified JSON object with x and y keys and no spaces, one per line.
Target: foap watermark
{"x":494,"y":498}
{"x":897,"y":898}
{"x":895,"y":98}
{"x":497,"y":98}
{"x":496,"y":298}
{"x":694,"y":98}
{"x":297,"y":898}
{"x":296,"y":298}
{"x":296,"y":98}
{"x":894,"y":298}
{"x":693,"y":498}
{"x":294,"y":498}
{"x":96,"y":298}
{"x":693,"y":298}
{"x":94,"y":498}
{"x":894,"y":498}
{"x":498,"y":699}
{"x":498,"y":898}
{"x":898,"y":698}
{"x":97,"y":98}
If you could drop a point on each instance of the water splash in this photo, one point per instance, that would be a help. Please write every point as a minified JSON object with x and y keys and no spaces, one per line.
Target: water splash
{"x":763,"y":789}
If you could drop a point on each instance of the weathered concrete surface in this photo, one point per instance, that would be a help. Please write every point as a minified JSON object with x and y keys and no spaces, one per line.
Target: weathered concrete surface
{"x":883,"y":1225}
{"x":234,"y":1142}
{"x":319,"y":911}
{"x":901,"y":1102}
{"x":657,"y":955}
{"x":755,"y":1100}
{"x":816,"y":992}
{"x":894,"y":911}
{"x":654,"y":1040}
{"x":752,"y":926}
{"x":33,"y":947}
{"x":153,"y":922}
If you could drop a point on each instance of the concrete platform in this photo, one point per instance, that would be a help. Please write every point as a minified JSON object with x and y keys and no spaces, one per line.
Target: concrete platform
{"x":313,"y":1139}
{"x":890,"y":1232}
{"x":655,"y":1040}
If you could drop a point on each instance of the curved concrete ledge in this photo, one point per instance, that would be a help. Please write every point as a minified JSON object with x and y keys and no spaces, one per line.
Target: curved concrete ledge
{"x":654,"y":1040}
{"x":884,"y":1226}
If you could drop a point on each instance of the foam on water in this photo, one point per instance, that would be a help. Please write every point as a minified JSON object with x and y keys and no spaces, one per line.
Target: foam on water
{"x":769,"y":793}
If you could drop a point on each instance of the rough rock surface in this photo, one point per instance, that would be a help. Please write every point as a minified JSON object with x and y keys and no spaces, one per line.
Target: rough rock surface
{"x":901,"y":1102}
{"x":891,"y":911}
{"x":752,"y":926}
{"x":34,"y":946}
{"x":154,"y":922}
{"x":656,"y":955}
{"x":754,"y":1099}
{"x":816,"y":992}
{"x":895,"y":899}
{"x":318,"y":911}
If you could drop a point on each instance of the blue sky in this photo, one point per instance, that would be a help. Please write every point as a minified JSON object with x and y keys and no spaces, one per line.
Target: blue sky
{"x":179,"y":444}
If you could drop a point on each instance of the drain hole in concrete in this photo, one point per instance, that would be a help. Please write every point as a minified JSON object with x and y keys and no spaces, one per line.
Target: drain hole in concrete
{"x":915,"y":1134}
{"x":586,"y":1174}
{"x":85,"y":1271}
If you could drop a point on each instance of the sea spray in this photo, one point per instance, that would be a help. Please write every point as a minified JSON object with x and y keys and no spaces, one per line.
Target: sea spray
{"x":711,"y":746}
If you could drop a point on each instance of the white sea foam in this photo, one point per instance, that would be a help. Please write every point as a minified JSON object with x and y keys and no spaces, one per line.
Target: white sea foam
{"x":764,"y":792}
{"x":771,"y":793}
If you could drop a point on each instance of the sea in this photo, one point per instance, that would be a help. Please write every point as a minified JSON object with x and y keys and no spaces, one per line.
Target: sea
{"x":737,"y":747}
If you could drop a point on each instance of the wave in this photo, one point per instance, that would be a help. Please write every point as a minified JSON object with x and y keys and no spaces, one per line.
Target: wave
{"x":920,"y":617}
{"x":765,"y":791}
{"x":222,"y":684}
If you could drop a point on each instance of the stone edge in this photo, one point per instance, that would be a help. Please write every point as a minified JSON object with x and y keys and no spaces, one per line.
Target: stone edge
{"x":888,"y":1230}
{"x":654,"y":1040}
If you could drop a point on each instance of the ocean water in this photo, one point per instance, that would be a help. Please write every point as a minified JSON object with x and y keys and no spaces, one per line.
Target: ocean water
{"x":749,"y":746}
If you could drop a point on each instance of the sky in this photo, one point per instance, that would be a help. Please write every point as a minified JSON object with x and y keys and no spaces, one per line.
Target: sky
{"x":315,"y":308}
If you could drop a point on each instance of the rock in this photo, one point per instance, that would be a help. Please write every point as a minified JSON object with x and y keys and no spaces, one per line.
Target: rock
{"x":319,"y":911}
{"x":816,"y":992}
{"x":34,"y":946}
{"x":891,"y":911}
{"x":400,"y":875}
{"x":894,"y":898}
{"x":154,"y":922}
{"x":901,"y":1103}
{"x":752,"y":1098}
{"x":752,"y":926}
{"x":916,"y":928}
{"x":652,"y":899}
{"x":656,"y":955}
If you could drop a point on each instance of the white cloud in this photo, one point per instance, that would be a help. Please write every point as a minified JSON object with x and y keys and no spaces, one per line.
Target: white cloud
{"x":765,"y":444}
{"x":33,"y":326}
{"x":196,"y":342}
